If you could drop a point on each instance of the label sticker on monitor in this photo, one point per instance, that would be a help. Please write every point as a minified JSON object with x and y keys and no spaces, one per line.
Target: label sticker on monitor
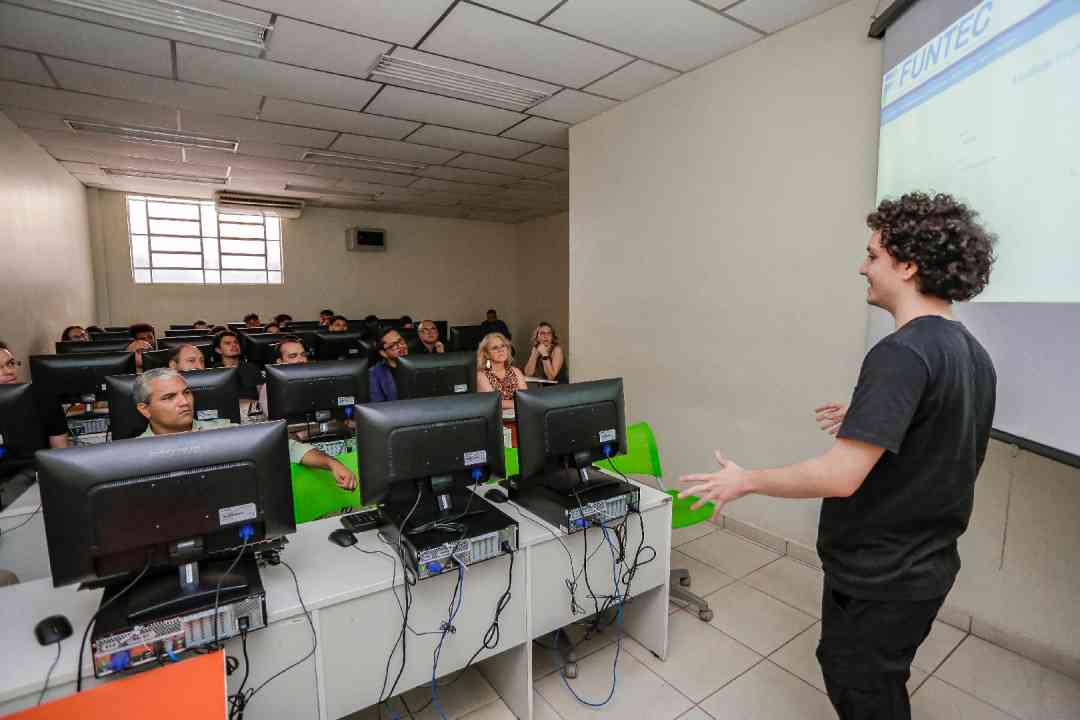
{"x":354,"y":351}
{"x":206,"y":414}
{"x":346,"y":400}
{"x":607,"y":436}
{"x":236,"y":513}
{"x":461,"y":388}
{"x":104,"y":387}
{"x":322,"y":415}
{"x":477,"y":457}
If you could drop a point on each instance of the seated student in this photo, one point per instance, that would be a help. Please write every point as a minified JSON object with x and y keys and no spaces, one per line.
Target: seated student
{"x":200,"y":325}
{"x":53,"y":422}
{"x":139,"y":347}
{"x":406,"y":322}
{"x":227,"y":353}
{"x":272,"y":328}
{"x":428,"y":332}
{"x":494,"y":371}
{"x":75,"y":333}
{"x":380,"y":376}
{"x":144,"y":332}
{"x":546,"y":360}
{"x":251,"y":320}
{"x":163,"y":397}
{"x":290,"y":351}
{"x":326,"y":317}
{"x":494,"y":325}
{"x":283,"y":318}
{"x":187,"y":357}
{"x":339,"y":324}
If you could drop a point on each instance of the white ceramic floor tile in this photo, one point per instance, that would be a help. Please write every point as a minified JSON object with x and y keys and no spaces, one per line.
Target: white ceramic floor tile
{"x":681,"y":536}
{"x":696,"y":713}
{"x":1010,"y":682}
{"x":729,"y":554}
{"x":701,"y":659}
{"x":941,"y":641}
{"x":792,"y":583}
{"x":768,"y":692}
{"x":638,"y":693}
{"x":704,"y":579}
{"x":937,"y":700}
{"x":394,"y":705}
{"x":755,"y":619}
{"x":544,"y":658}
{"x":542,"y":710}
{"x":492,"y":711}
{"x":470,"y":693}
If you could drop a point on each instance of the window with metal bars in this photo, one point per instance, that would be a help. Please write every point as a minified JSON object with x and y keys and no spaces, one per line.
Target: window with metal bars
{"x":187,"y":241}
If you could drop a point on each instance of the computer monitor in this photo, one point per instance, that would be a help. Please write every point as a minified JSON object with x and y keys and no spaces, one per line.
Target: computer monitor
{"x":387,"y":323}
{"x":431,"y":375}
{"x":187,"y":332}
{"x":172,"y":501}
{"x":118,"y":328}
{"x":295,"y":325}
{"x":21,"y":431}
{"x":68,"y":347}
{"x":343,"y":346}
{"x":216,"y":393}
{"x":258,"y":329}
{"x":563,"y":429}
{"x":316,"y":392}
{"x":110,"y":336}
{"x":465,"y":338}
{"x":152,"y":359}
{"x":425,"y":452}
{"x":260,"y":348}
{"x":443,"y":327}
{"x":181,"y":327}
{"x":411,"y":338}
{"x":203,"y":342}
{"x":75,"y":378}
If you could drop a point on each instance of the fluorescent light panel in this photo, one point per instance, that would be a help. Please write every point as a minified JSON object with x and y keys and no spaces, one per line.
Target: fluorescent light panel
{"x":151,"y":136}
{"x":393,"y":70}
{"x":360,"y":161}
{"x":181,"y":17}
{"x":148,"y":174}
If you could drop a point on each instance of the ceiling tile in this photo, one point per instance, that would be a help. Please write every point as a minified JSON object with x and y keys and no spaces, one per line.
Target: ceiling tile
{"x":443,"y":172}
{"x":32,"y":30}
{"x":771,"y":16}
{"x":392,"y":149}
{"x":632,"y":80}
{"x":470,"y":69}
{"x":168,"y":188}
{"x":28,"y":119}
{"x":24,"y":67}
{"x":73,"y":104}
{"x":452,"y":187}
{"x":425,"y":107}
{"x":217,"y":157}
{"x":103,"y":158}
{"x":367,"y":176}
{"x":554,"y":157}
{"x":390,"y":20}
{"x":506,"y":167}
{"x":318,"y":116}
{"x":314,"y":46}
{"x":270,"y":150}
{"x":528,"y":9}
{"x":541,"y":130}
{"x":489,"y":38}
{"x":64,"y":143}
{"x":681,"y":35}
{"x":240,"y":129}
{"x":471,"y":142}
{"x":572,"y":106}
{"x":146,"y":88}
{"x":270,"y":78}
{"x":82,"y":169}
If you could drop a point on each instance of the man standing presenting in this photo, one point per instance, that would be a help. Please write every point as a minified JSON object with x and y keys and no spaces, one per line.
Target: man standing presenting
{"x":899,"y":481}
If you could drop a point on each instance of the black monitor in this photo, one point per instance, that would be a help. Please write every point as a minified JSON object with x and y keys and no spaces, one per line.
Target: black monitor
{"x":187,"y":332}
{"x":316,"y":392}
{"x":118,"y":328}
{"x":431,"y":449}
{"x":387,"y":323}
{"x":258,"y":329}
{"x":216,"y":391}
{"x":431,"y":375}
{"x":443,"y":327}
{"x":343,"y":345}
{"x":181,"y":327}
{"x":260,"y":348}
{"x":21,"y":431}
{"x":110,"y":336}
{"x":170,"y":501}
{"x":294,"y":325}
{"x":465,"y":337}
{"x":74,"y":378}
{"x":563,"y":429}
{"x":67,"y":347}
{"x":411,"y":338}
{"x":153,"y":359}
{"x":370,"y":328}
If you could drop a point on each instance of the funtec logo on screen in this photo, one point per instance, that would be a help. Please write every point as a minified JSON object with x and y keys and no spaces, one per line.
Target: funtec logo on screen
{"x":955,"y":42}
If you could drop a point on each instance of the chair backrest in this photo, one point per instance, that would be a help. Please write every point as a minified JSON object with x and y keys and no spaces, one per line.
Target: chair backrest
{"x":642,"y":456}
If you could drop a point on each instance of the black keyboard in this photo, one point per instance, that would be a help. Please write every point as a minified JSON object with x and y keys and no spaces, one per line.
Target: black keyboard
{"x":365,"y":519}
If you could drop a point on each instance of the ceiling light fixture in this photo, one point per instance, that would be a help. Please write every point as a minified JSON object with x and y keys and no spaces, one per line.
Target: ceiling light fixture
{"x":181,"y":17}
{"x":360,"y":161}
{"x":330,"y":192}
{"x":151,"y":136}
{"x":396,"y":70}
{"x":148,"y":174}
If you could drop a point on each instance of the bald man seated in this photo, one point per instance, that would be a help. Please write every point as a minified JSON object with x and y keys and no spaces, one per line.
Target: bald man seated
{"x":163,"y":397}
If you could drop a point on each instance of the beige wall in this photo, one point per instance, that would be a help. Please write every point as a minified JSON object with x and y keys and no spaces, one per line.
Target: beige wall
{"x":440,"y":268}
{"x":47,"y":282}
{"x":543,"y":279}
{"x":716,"y":224}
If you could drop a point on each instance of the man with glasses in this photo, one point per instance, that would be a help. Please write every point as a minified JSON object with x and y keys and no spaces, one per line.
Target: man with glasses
{"x":53,"y":421}
{"x":429,"y":337}
{"x":381,"y":376}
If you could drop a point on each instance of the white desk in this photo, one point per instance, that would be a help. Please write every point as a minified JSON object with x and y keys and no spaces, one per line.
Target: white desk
{"x":357,"y":620}
{"x":24,"y":551}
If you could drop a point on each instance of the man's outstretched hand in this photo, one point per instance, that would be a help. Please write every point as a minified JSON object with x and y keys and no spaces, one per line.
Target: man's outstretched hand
{"x":720,"y":488}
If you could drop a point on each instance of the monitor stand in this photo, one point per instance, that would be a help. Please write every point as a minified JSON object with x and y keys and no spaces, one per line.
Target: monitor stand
{"x":571,"y":481}
{"x":191,"y":585}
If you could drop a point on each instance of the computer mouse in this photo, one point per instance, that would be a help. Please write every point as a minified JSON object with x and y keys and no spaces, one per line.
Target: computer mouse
{"x":496,"y":495}
{"x":342,"y":537}
{"x":52,"y":629}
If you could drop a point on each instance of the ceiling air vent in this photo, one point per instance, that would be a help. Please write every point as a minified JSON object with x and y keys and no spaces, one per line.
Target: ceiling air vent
{"x":249,"y":204}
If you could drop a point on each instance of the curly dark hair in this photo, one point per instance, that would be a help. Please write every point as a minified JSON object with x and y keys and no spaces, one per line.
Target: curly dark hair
{"x":941,"y":236}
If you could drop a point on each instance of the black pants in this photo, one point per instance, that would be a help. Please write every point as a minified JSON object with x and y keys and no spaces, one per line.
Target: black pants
{"x":866,"y":651}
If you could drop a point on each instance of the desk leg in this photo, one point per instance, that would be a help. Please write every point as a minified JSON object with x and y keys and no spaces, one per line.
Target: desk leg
{"x":509,"y":673}
{"x":646,"y":618}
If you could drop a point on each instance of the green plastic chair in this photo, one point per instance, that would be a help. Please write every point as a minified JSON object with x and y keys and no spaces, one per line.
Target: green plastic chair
{"x":643,"y":458}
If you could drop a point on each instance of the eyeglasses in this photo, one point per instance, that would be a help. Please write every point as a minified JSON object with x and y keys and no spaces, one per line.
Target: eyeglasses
{"x":11,"y":365}
{"x":494,"y":348}
{"x":400,"y":342}
{"x":428,"y":329}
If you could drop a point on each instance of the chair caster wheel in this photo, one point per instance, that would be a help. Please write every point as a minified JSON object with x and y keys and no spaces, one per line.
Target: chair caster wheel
{"x":685,"y":582}
{"x":705,"y":615}
{"x":570,"y":671}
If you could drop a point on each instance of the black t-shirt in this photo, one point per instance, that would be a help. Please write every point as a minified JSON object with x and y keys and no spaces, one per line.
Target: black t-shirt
{"x":926,"y":395}
{"x":32,"y":433}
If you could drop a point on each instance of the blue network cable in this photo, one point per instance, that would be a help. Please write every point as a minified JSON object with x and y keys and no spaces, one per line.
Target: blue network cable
{"x":455,"y":607}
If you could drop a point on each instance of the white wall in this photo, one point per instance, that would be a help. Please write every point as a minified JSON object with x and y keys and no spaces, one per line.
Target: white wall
{"x":47,"y":281}
{"x":543,"y":276}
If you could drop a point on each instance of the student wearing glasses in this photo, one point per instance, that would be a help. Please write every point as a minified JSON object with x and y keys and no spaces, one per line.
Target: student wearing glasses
{"x":53,"y":422}
{"x":381,"y":376}
{"x":494,"y":371}
{"x":428,"y":332}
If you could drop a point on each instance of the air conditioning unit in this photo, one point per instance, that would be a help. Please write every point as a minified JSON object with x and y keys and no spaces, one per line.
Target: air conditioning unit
{"x":358,"y":239}
{"x":250,"y":204}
